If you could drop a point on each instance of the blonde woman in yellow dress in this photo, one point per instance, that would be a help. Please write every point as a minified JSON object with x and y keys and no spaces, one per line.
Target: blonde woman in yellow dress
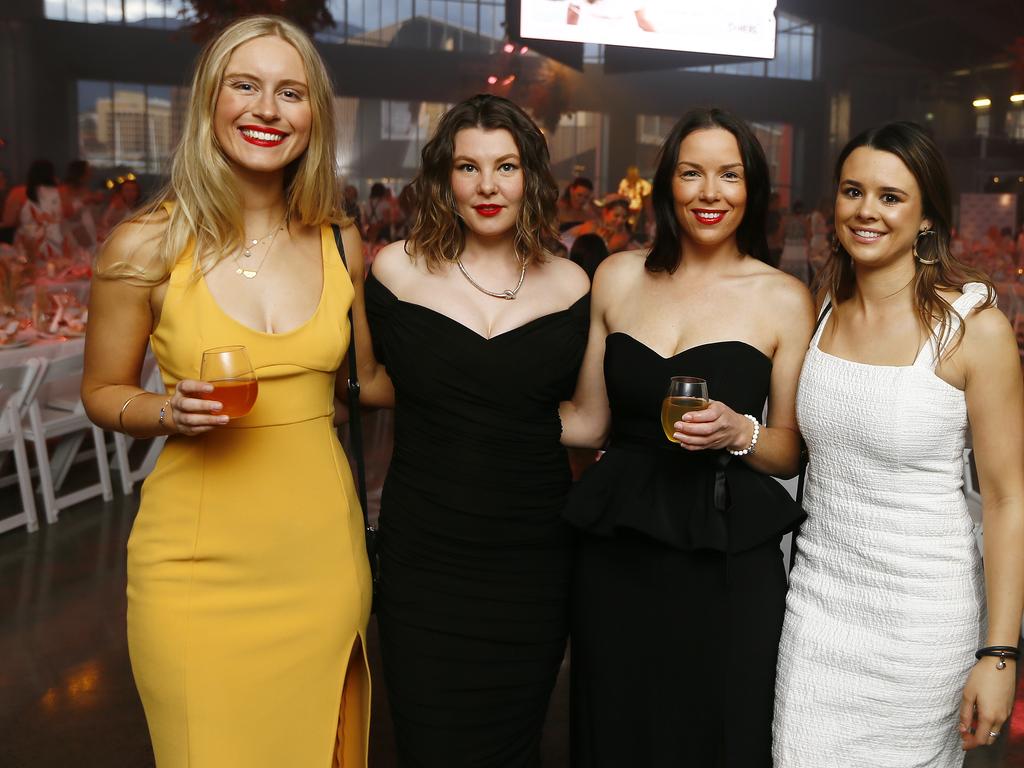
{"x":248,"y":586}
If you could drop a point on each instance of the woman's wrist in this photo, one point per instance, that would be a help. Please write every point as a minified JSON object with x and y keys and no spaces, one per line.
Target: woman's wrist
{"x":747,"y":436}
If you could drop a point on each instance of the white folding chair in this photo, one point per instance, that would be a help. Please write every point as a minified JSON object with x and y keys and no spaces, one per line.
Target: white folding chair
{"x":152,"y":380}
{"x":46,"y":421}
{"x":18,"y":386}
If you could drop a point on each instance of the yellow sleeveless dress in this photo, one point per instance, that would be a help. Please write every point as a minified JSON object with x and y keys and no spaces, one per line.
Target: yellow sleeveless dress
{"x":248,"y":585}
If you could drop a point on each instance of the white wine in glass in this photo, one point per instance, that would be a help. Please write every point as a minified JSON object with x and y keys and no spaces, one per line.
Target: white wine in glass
{"x":685,"y":394}
{"x":234,"y":382}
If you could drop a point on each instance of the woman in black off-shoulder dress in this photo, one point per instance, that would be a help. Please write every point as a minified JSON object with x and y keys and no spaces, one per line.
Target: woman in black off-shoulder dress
{"x":679,"y":588}
{"x":475,"y":558}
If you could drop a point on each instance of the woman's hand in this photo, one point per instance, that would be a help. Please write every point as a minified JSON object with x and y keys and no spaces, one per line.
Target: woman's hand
{"x":987,"y":702}
{"x":189,"y":414}
{"x":717,"y":426}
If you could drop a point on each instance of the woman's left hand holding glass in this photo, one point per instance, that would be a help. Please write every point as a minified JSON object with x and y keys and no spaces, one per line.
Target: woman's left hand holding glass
{"x":716,"y":427}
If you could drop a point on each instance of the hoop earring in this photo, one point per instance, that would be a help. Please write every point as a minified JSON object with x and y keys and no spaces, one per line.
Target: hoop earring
{"x":914,"y":248}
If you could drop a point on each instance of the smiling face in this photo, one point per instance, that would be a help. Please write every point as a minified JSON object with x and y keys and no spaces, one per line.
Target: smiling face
{"x":487,"y":180}
{"x":879,"y":209}
{"x":708,"y":188}
{"x":263,"y":118}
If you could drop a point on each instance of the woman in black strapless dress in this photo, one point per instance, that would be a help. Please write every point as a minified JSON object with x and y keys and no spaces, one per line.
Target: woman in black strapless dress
{"x":679,"y":588}
{"x":475,"y":561}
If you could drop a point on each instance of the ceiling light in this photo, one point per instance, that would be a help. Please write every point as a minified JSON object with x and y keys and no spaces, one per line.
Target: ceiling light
{"x":1017,"y":98}
{"x":979,"y":103}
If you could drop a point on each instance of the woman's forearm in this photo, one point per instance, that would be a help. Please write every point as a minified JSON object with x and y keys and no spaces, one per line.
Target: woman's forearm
{"x":1004,"y":569}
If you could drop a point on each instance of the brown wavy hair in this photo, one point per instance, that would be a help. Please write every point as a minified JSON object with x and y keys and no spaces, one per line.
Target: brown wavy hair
{"x":438,"y":234}
{"x":919,"y":153}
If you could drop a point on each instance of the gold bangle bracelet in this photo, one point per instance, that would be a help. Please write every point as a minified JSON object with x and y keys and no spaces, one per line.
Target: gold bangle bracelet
{"x":120,"y":416}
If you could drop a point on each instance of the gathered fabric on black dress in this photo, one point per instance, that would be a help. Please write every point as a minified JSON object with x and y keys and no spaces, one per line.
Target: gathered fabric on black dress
{"x":678,"y":587}
{"x":475,"y":558}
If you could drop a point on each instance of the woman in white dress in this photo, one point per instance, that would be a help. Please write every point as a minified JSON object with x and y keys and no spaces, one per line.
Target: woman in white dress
{"x":39,"y":220}
{"x":887,"y":603}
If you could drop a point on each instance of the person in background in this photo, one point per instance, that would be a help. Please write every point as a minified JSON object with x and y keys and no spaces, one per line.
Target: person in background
{"x":637,"y":190}
{"x":887,"y":657}
{"x":574,"y":206}
{"x":248,"y":584}
{"x":405,"y":213}
{"x":820,"y":245}
{"x":378,"y":214}
{"x":79,"y":200}
{"x":124,"y":198}
{"x":796,"y":227}
{"x":679,"y":585}
{"x":613,"y":226}
{"x":40,"y":219}
{"x":350,"y":205}
{"x":482,"y":331}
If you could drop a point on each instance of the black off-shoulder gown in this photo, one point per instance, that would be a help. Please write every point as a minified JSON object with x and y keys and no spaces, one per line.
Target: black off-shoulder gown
{"x":475,"y":558}
{"x":679,"y":587}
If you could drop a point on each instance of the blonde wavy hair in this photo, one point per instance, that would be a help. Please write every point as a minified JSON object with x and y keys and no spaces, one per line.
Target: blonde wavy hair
{"x":438,"y":234}
{"x":207,"y":205}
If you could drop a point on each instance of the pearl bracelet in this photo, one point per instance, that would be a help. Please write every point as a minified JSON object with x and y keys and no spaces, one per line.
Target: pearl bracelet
{"x":753,"y":440}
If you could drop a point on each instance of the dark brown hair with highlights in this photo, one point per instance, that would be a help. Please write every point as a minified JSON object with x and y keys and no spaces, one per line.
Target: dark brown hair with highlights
{"x":438,"y":235}
{"x":918,"y":152}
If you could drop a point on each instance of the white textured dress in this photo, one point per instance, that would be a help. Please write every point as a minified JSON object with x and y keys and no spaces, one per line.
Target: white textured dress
{"x":886,"y":600}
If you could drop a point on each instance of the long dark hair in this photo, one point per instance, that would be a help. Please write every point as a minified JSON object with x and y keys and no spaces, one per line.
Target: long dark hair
{"x":40,"y":174}
{"x":439,"y":234}
{"x":919,"y":153}
{"x":666,"y":251}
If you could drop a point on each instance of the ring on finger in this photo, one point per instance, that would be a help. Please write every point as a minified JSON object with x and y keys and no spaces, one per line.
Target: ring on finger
{"x":993,"y":734}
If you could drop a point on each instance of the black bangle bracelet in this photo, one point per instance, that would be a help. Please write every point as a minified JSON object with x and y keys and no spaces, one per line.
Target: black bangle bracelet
{"x":1001,"y":652}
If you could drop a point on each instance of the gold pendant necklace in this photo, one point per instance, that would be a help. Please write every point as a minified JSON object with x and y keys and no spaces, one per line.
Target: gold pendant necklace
{"x":250,"y":274}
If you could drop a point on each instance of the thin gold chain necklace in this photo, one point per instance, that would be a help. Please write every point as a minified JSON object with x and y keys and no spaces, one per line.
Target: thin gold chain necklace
{"x":250,"y":274}
{"x":507,"y":295}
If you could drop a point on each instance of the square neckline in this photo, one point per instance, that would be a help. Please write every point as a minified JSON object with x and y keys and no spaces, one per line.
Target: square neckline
{"x":815,"y":341}
{"x":296,"y":329}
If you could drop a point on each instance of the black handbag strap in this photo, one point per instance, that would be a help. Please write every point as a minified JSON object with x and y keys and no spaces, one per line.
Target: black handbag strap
{"x":355,"y":421}
{"x":803,"y":449}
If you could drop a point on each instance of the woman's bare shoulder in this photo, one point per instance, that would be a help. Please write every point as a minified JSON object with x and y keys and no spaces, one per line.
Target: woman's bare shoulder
{"x":134,"y":242}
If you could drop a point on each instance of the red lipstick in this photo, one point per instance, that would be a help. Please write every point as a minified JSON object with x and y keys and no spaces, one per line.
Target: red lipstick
{"x":257,"y":134}
{"x":708,"y":217}
{"x":488,"y":209}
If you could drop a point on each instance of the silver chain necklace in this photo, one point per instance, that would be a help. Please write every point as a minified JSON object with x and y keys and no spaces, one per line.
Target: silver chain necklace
{"x":507,"y":295}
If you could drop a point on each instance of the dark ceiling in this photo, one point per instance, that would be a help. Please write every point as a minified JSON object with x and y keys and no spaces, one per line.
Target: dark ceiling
{"x":945,"y":35}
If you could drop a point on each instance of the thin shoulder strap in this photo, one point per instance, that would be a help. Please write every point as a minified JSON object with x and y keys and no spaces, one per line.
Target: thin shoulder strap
{"x":931,"y":351}
{"x":355,"y":421}
{"x":826,"y":309}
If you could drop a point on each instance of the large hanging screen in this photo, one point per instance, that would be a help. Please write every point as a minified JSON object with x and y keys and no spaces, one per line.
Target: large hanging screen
{"x":731,"y":27}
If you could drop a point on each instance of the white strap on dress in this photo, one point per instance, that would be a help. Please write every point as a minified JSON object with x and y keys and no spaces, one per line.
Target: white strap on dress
{"x":931,"y":352}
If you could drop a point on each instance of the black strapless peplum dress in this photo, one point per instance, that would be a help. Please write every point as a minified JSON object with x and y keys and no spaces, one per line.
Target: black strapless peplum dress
{"x":476,"y":560}
{"x":679,"y":587}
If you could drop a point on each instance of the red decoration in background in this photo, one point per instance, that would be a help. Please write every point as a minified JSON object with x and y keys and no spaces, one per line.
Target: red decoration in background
{"x":211,"y":16}
{"x":1016,"y":51}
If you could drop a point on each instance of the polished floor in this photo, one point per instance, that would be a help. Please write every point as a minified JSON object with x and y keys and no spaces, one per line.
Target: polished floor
{"x":66,"y":691}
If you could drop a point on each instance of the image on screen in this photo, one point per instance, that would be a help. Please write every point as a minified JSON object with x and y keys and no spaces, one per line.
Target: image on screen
{"x":731,"y":27}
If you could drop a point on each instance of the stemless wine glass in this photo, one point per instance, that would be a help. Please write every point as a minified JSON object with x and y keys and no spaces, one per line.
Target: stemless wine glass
{"x":685,"y":394}
{"x":230,"y":372}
